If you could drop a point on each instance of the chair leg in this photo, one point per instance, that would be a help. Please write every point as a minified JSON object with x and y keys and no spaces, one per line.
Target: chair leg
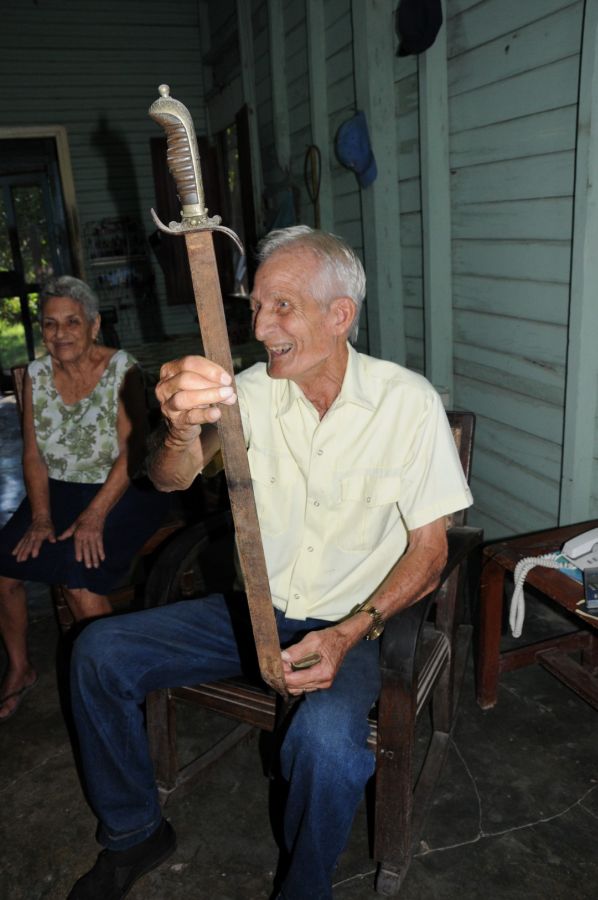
{"x":63,"y":612}
{"x":160,"y":713}
{"x":394,"y":790}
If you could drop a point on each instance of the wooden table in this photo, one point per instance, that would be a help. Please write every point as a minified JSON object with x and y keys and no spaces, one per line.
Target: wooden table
{"x":554,"y":653}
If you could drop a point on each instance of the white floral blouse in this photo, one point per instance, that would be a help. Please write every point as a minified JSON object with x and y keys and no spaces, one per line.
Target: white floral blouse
{"x":78,"y":441}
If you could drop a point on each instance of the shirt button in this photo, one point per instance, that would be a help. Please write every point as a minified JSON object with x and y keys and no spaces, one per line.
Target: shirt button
{"x":297,"y":596}
{"x":272,"y":480}
{"x":310,"y":549}
{"x":320,"y":452}
{"x":316,"y":502}
{"x":368,"y":499}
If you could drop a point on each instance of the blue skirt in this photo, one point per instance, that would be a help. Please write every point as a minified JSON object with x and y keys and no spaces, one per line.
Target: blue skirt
{"x":137,"y":515}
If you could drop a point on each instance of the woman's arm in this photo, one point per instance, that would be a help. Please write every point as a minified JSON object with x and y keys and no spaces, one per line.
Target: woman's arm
{"x":88,"y":529}
{"x":35,"y":474}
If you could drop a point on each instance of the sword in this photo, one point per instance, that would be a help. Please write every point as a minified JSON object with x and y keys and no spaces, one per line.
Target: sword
{"x":197,"y":228}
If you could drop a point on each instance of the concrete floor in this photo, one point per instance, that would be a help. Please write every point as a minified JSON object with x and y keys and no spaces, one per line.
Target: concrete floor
{"x":515,"y":816}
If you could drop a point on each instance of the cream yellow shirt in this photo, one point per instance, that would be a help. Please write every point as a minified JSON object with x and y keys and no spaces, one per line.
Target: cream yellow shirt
{"x":336,"y":498}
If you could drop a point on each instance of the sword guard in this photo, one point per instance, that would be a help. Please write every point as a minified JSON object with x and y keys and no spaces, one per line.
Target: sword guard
{"x":189,"y":225}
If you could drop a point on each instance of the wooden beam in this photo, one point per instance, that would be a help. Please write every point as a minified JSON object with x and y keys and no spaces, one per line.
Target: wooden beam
{"x":436,"y":214}
{"x":579,"y":444}
{"x":278,"y":81}
{"x":373,"y":43}
{"x":318,"y":105}
{"x":245,"y":28}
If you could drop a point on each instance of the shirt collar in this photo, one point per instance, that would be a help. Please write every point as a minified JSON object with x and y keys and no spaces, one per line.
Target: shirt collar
{"x":353,"y":390}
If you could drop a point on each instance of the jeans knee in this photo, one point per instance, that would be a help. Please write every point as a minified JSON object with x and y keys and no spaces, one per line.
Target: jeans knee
{"x":95,"y":647}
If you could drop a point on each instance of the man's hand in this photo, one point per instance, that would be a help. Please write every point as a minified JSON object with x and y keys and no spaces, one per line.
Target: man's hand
{"x":331,"y":646}
{"x":39,"y":531}
{"x":189,"y":392}
{"x":87,"y":532}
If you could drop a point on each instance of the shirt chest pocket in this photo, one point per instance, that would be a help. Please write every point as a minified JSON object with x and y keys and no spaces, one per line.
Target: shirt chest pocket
{"x":273,"y":478}
{"x":368,"y":509}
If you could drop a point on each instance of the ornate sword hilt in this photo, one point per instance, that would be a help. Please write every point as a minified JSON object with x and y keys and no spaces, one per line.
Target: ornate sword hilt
{"x":184,"y":165}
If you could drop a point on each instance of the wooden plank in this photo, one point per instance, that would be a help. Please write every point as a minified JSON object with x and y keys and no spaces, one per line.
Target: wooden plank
{"x":517,"y":515}
{"x":515,"y":298}
{"x":511,"y":373}
{"x":545,"y":132}
{"x":373,"y":50}
{"x":473,"y":24}
{"x":513,"y":259}
{"x":245,"y":33}
{"x":523,"y":95}
{"x":579,"y":446}
{"x":436,"y":215}
{"x":540,"y":341}
{"x":532,"y":452}
{"x":539,"y":219}
{"x":515,"y":179}
{"x":318,"y":99}
{"x":529,"y":416}
{"x":280,"y":111}
{"x":537,"y":43}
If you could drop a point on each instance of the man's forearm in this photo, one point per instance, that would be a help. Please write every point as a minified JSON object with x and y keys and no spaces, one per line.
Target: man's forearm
{"x":175,"y":461}
{"x":411,"y":578}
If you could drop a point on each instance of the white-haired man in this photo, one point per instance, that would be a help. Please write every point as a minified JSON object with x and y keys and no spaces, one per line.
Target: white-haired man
{"x":354,"y":470}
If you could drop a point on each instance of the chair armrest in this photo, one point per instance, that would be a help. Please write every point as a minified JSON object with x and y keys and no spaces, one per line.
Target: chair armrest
{"x":401,"y":635}
{"x":163,"y":583}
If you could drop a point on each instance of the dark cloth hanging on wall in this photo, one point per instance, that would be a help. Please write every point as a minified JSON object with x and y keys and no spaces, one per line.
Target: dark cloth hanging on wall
{"x":417,"y":22}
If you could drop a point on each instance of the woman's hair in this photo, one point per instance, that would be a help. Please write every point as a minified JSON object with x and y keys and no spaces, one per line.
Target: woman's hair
{"x":340,"y":273}
{"x":67,"y":286}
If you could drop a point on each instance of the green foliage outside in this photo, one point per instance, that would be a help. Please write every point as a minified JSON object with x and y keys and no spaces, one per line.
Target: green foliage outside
{"x":13,"y":349}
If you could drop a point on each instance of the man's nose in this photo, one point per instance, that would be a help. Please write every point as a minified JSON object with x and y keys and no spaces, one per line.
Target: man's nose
{"x":262,"y":324}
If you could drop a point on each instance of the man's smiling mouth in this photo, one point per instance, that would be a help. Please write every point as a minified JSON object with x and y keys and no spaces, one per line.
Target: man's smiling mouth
{"x":280,"y":350}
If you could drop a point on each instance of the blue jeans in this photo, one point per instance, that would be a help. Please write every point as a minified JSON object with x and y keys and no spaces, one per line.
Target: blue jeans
{"x":324,"y":756}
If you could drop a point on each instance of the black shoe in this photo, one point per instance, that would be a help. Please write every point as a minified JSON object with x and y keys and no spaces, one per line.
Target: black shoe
{"x":116,"y":871}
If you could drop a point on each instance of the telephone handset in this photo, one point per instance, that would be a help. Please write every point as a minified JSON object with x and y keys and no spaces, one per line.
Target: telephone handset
{"x":582,"y":550}
{"x":580,"y":553}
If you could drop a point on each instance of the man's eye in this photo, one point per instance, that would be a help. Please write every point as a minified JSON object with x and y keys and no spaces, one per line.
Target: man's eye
{"x":283,"y":304}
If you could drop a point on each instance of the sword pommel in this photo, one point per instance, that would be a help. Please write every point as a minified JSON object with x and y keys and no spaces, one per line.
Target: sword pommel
{"x":182,"y":156}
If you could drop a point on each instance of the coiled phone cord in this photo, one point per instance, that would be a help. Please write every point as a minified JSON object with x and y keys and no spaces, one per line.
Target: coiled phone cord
{"x":517,"y":611}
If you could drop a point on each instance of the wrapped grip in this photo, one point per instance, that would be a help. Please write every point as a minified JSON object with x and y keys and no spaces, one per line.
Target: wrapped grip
{"x":182,"y":154}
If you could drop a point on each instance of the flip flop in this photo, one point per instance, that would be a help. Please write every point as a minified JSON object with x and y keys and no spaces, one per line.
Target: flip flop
{"x":20,"y":694}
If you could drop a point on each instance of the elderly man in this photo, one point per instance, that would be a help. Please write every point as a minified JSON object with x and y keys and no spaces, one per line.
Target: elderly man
{"x":354,"y":469}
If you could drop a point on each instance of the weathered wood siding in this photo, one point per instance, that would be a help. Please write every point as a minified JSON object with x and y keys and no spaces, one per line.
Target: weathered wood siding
{"x":407,"y":113}
{"x":513,"y":79}
{"x":95,"y":68}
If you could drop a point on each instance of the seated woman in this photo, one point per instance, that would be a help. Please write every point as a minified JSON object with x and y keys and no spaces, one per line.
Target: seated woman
{"x":83,"y":518}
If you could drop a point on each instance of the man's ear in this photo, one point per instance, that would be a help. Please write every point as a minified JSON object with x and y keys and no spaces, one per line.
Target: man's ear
{"x":344,"y":312}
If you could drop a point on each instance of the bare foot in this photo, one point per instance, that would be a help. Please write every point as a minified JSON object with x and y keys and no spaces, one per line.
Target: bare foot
{"x":14,"y":687}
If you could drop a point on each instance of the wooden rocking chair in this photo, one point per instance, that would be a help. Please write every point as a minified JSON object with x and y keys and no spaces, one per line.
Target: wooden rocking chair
{"x":422,"y":657}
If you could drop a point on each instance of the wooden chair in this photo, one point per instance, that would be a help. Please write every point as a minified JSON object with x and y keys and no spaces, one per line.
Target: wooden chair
{"x":125,"y":595}
{"x":423,"y":652}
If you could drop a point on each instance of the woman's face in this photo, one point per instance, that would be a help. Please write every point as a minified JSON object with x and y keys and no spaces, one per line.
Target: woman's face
{"x":66,"y":333}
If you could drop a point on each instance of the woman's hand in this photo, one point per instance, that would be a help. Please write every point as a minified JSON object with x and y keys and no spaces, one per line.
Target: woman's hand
{"x":40,"y":530}
{"x":87,"y":532}
{"x":189,"y":392}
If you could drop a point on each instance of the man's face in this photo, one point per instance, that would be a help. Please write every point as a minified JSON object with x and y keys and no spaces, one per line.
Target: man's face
{"x":301,"y":337}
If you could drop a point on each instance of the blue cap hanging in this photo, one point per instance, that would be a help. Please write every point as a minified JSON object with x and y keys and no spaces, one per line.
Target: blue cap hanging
{"x":354,"y":150}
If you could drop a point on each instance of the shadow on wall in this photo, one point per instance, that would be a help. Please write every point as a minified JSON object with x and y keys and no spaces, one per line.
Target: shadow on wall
{"x":121,"y":184}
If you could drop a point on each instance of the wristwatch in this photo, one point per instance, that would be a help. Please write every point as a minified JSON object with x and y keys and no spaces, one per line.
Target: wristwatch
{"x":377,"y":626}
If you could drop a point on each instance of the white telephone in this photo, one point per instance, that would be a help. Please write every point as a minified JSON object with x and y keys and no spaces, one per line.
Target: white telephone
{"x":580,"y":552}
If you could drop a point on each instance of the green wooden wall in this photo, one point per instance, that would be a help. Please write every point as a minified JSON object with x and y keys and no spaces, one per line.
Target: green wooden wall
{"x":95,"y":69}
{"x":467,"y":234}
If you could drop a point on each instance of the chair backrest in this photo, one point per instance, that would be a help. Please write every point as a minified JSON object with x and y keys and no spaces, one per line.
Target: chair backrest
{"x":463,"y":426}
{"x":17,"y":374}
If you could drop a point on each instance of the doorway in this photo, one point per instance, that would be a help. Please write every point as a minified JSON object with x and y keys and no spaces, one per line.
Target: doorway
{"x":34,"y":241}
